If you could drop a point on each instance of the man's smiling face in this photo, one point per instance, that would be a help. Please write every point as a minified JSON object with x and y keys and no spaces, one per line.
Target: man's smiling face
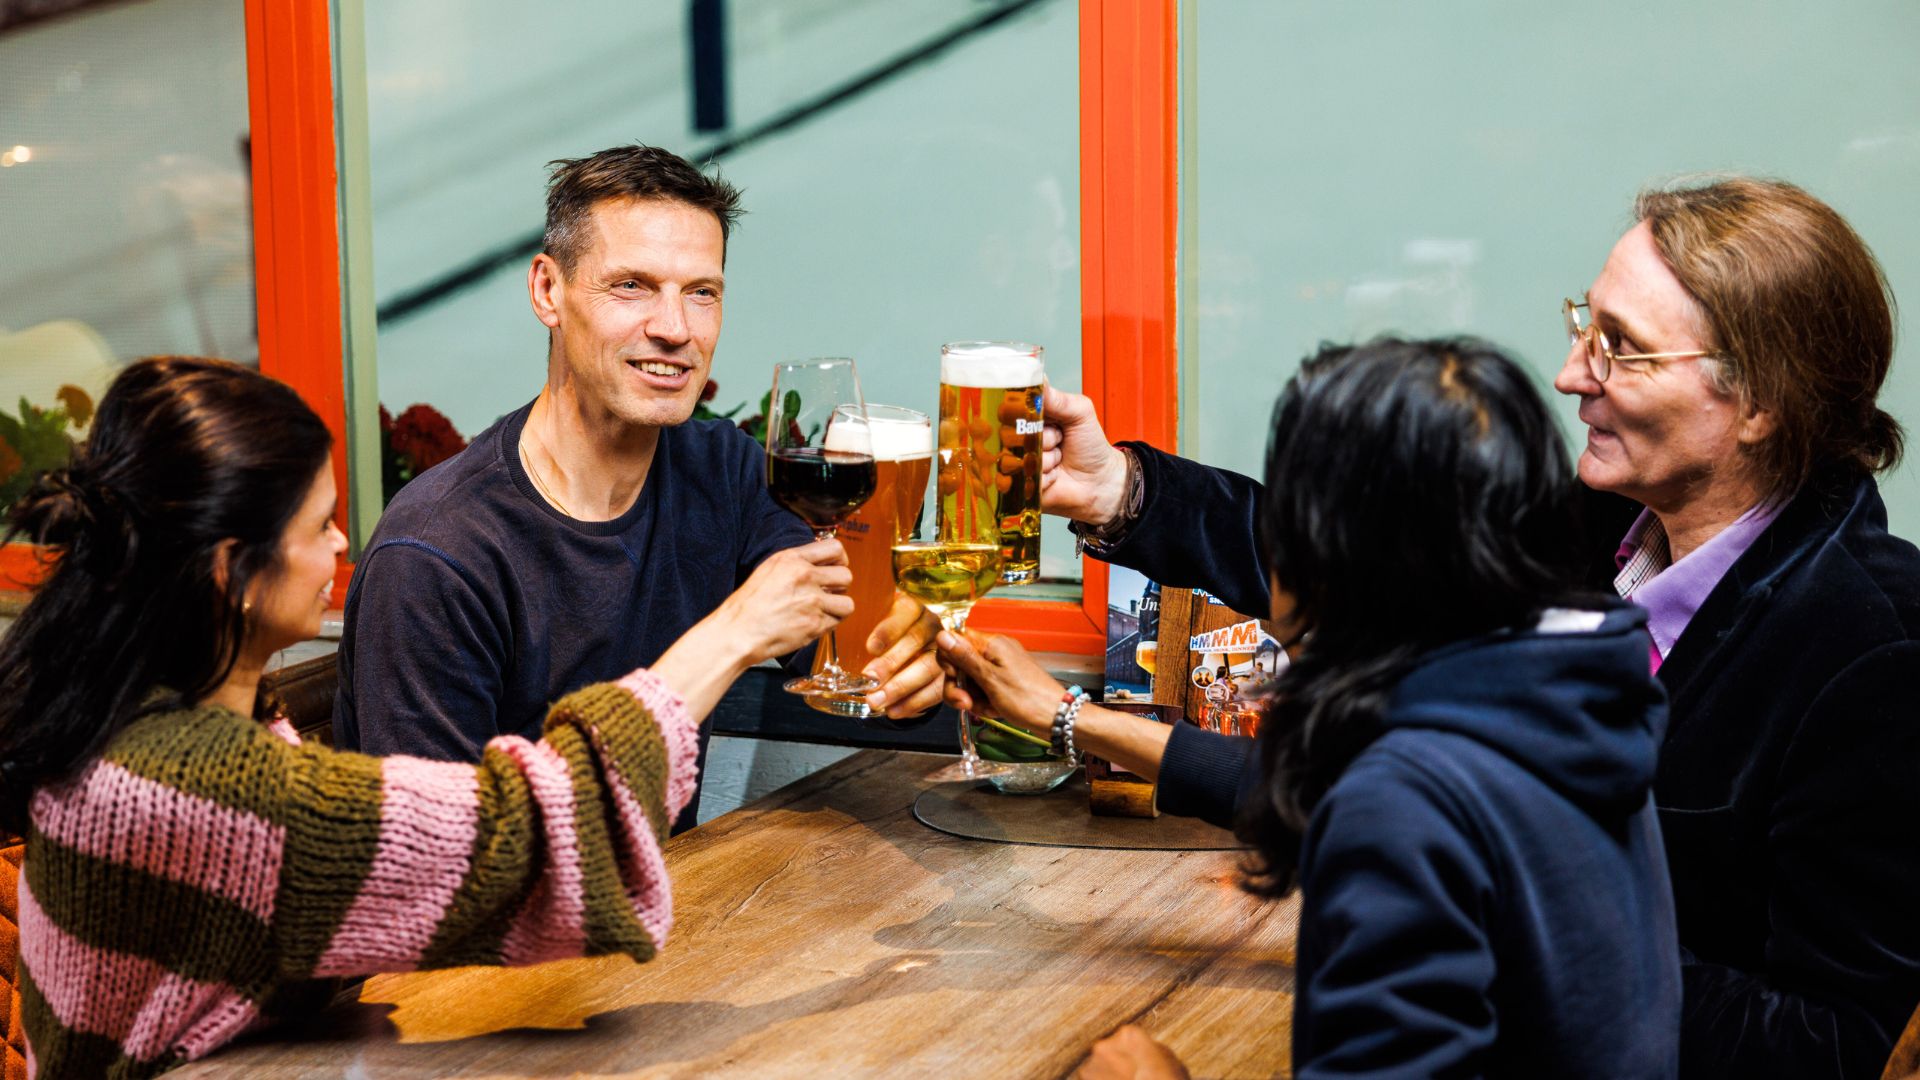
{"x":637,"y":319}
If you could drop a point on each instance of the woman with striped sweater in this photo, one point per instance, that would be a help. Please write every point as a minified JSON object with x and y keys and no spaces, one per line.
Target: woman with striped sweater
{"x":191,"y":866}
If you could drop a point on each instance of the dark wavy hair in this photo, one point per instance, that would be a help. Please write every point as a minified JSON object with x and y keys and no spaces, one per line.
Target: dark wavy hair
{"x":1417,"y":493}
{"x":184,"y":455}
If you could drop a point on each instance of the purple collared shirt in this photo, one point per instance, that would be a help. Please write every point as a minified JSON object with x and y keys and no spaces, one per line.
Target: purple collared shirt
{"x":1672,"y":592}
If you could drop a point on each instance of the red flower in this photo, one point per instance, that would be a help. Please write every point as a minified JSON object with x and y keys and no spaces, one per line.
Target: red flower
{"x":424,"y":437}
{"x":9,"y":462}
{"x":707,"y":392}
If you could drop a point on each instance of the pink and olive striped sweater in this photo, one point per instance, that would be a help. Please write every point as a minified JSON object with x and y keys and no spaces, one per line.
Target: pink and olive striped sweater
{"x":208,"y":865}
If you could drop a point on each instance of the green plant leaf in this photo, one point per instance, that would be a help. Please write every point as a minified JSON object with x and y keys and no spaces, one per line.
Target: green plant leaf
{"x":38,"y":437}
{"x":43,"y":442}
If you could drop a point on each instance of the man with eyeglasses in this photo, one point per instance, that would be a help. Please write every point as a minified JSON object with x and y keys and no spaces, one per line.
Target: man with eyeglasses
{"x":1736,"y":341}
{"x":1727,"y":361}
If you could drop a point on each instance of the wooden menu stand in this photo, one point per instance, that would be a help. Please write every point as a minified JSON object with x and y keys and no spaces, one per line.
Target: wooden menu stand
{"x":1120,"y":797}
{"x":1183,"y":614}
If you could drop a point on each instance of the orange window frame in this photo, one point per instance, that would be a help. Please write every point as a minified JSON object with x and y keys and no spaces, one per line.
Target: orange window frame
{"x":1129,"y":194}
{"x":1129,"y":168}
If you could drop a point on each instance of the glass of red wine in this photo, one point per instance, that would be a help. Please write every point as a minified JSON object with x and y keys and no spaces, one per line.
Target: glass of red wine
{"x":820,"y":466}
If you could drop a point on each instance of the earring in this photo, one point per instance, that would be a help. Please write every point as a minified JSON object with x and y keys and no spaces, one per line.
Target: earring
{"x":246,"y":607}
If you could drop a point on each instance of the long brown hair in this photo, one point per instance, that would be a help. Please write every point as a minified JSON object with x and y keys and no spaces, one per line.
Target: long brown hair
{"x":1801,"y":310}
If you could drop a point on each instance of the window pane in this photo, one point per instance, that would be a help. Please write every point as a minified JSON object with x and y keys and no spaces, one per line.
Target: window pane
{"x":911,"y":174}
{"x":1370,"y":166}
{"x":124,"y":203}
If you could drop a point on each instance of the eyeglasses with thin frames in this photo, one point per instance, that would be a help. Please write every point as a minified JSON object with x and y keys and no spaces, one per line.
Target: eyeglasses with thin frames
{"x":1600,"y":354}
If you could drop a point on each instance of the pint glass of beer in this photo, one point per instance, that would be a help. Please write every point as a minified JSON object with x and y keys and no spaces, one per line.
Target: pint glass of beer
{"x":990,"y":424}
{"x":902,"y":442}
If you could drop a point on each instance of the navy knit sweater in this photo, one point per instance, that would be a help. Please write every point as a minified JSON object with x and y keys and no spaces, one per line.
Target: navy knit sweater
{"x":477,"y":604}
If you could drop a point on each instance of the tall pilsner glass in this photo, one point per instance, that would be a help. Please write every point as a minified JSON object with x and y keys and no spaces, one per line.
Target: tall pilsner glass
{"x":987,"y":529}
{"x":822,"y":485}
{"x":902,"y":442}
{"x":990,"y":421}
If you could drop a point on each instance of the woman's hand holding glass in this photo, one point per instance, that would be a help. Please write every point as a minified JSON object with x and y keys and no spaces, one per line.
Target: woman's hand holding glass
{"x":1004,"y":682}
{"x":1007,"y":683}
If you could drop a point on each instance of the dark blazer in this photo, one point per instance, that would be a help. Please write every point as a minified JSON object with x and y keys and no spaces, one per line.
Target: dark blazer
{"x":1789,"y":792}
{"x":1789,"y":781}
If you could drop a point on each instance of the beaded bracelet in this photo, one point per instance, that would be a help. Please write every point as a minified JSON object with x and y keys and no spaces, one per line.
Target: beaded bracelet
{"x":1060,"y":712}
{"x":1073,"y":715}
{"x":1063,"y":715}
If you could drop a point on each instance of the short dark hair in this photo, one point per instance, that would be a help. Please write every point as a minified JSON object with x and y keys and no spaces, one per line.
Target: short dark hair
{"x":1422,"y":478}
{"x":1801,"y":309}
{"x":627,"y":172}
{"x":184,"y":455}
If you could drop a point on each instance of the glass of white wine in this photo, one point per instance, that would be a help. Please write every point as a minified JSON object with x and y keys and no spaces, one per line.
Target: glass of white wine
{"x":947,"y":576}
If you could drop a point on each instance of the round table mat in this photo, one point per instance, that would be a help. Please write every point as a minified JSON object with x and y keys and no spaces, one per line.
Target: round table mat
{"x":1059,"y":818}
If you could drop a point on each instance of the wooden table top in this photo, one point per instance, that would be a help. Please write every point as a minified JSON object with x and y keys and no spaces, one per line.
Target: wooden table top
{"x":822,"y":931}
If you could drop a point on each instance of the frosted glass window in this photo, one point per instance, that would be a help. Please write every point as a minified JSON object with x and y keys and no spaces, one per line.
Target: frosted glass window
{"x":911,"y":173}
{"x":1368,"y":166}
{"x":124,"y":204}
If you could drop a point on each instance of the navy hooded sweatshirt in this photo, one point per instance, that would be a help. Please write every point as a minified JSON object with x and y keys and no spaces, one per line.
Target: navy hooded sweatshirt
{"x":1484,"y":890}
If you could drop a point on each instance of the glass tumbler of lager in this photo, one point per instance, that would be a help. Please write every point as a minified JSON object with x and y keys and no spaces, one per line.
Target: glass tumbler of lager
{"x":902,"y":448}
{"x":990,"y":421}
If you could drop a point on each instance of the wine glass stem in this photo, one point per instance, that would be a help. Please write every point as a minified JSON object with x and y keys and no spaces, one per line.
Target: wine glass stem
{"x":830,"y":672}
{"x":954,"y":620}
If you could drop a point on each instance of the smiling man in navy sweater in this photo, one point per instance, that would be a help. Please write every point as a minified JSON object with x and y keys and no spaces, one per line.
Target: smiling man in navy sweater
{"x":585,"y":533}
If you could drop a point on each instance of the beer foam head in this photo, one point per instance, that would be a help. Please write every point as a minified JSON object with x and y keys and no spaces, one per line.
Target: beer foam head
{"x":892,"y":439}
{"x":990,"y":364}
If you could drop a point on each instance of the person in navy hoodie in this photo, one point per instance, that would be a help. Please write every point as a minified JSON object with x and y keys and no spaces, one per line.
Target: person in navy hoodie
{"x":1456,"y":768}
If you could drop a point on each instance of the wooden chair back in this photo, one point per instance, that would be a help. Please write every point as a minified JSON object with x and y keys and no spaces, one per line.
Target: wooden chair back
{"x":13,"y":1041}
{"x":306,"y":691}
{"x":1904,"y":1064}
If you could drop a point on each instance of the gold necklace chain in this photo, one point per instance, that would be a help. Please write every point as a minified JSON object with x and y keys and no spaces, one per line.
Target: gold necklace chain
{"x":526,"y":459}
